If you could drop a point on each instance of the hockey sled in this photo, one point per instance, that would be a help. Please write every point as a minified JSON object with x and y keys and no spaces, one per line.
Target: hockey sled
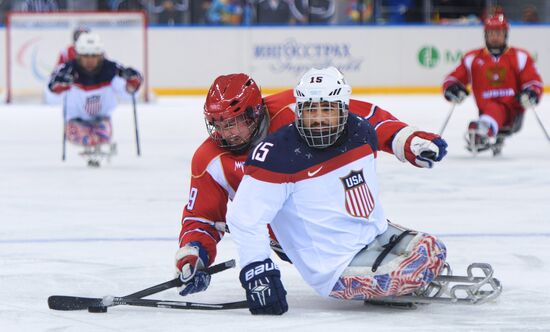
{"x":98,"y":153}
{"x":479,"y":286}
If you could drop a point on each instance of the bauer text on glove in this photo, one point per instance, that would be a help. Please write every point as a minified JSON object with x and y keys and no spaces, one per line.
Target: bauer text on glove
{"x":265,"y":293}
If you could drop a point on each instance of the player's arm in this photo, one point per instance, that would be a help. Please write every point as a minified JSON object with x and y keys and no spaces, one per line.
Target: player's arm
{"x":407,"y":143}
{"x":203,"y":224}
{"x":531,"y":83}
{"x":62,"y":78}
{"x":132,"y":77}
{"x":254,"y":206}
{"x":454,"y":85}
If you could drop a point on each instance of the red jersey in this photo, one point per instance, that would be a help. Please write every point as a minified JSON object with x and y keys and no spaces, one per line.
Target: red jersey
{"x":497,"y":80}
{"x":66,"y":55}
{"x":216,"y":173}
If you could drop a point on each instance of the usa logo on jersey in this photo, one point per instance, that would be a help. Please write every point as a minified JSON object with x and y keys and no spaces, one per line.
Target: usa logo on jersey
{"x":359,"y":200}
{"x":93,"y":105}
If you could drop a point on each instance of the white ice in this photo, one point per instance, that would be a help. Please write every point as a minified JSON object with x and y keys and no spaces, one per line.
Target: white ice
{"x":66,"y":229}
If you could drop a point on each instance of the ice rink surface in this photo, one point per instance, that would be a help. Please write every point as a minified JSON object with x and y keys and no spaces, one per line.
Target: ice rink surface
{"x":67,"y":229}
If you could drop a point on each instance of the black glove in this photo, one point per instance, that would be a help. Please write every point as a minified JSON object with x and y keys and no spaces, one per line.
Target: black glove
{"x":456,"y":93}
{"x":133,"y":79}
{"x":264,"y":290}
{"x":61,"y":79}
{"x":528,"y":98}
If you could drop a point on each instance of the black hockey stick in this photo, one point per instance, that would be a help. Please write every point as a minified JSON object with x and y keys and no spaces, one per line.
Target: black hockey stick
{"x":541,"y":124}
{"x":447,"y":120}
{"x":109,"y":302}
{"x":63,"y":154}
{"x":136,"y":124}
{"x":62,"y":302}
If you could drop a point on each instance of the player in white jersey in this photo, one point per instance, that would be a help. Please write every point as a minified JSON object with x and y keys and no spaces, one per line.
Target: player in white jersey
{"x":315,"y":183}
{"x":91,"y":84}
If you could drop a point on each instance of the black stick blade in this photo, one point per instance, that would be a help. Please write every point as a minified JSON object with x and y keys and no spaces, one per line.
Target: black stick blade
{"x":59,"y":302}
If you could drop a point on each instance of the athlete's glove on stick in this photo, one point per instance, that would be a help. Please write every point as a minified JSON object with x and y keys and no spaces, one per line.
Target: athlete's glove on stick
{"x":456,"y":93}
{"x":265,"y":293}
{"x":529,"y":98}
{"x":133,"y":79}
{"x":62,"y":79}
{"x":419,"y":148}
{"x":190,"y":260}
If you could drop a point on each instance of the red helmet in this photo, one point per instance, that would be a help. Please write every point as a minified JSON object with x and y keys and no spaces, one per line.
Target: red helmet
{"x":496,"y":22}
{"x":236,"y":97}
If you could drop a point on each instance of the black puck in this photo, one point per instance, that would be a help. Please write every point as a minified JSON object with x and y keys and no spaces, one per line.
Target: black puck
{"x":97,"y":309}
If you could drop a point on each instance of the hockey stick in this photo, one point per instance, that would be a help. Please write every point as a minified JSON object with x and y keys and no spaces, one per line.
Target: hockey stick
{"x":109,"y":302}
{"x":63,"y":154}
{"x":447,"y":120}
{"x":136,"y":124}
{"x":541,"y":124}
{"x":62,"y":302}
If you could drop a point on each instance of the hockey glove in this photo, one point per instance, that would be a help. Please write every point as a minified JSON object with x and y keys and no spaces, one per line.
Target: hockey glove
{"x":264,"y":290}
{"x":62,"y":79}
{"x":456,"y":93}
{"x":419,"y":148}
{"x":133,"y":79}
{"x":528,"y":98}
{"x":190,"y":260}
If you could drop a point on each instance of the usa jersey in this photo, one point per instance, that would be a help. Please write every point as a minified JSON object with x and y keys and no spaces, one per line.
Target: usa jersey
{"x":217,"y":173}
{"x":322,"y":204}
{"x":497,"y":79}
{"x":94,"y":95}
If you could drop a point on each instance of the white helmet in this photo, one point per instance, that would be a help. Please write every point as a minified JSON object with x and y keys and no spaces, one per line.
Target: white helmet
{"x":318,"y":86}
{"x":89,"y":44}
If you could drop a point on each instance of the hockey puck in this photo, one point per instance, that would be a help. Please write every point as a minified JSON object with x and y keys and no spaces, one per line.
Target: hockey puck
{"x":97,"y":309}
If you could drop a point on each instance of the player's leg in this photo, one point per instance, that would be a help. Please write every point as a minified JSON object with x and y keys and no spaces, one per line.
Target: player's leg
{"x":102,"y":130}
{"x":482,"y":133}
{"x":79,"y":132}
{"x":511,"y":125}
{"x":398,"y":262}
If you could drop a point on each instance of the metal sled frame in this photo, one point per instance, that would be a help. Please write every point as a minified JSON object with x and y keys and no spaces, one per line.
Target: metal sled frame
{"x":450,"y":289}
{"x":94,"y":154}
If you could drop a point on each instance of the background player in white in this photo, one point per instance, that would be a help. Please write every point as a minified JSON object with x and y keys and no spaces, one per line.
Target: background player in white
{"x":65,"y":55}
{"x":92,"y":83}
{"x":315,"y":183}
{"x":237,"y":117}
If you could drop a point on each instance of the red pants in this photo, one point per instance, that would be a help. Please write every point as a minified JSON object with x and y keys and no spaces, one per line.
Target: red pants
{"x":506,"y":117}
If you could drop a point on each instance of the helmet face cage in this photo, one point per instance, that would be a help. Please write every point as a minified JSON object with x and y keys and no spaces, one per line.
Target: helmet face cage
{"x":233,"y":111}
{"x":322,"y":99}
{"x":323,"y":129}
{"x":235,"y":133}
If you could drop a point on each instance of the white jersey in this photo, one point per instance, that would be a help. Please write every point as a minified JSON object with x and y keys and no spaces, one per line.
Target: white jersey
{"x":92,"y":95}
{"x":100,"y":101}
{"x":322,"y":205}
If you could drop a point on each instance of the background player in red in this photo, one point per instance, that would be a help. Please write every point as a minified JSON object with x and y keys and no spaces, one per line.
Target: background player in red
{"x":504,"y":81}
{"x":237,"y":117}
{"x":70,"y":52}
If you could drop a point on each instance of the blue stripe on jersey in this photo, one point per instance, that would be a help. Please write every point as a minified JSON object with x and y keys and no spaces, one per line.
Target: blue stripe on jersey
{"x":284,"y":151}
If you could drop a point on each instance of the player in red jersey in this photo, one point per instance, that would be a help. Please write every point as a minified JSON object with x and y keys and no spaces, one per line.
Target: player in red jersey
{"x":70,"y":53}
{"x":504,"y":81}
{"x":237,"y":117}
